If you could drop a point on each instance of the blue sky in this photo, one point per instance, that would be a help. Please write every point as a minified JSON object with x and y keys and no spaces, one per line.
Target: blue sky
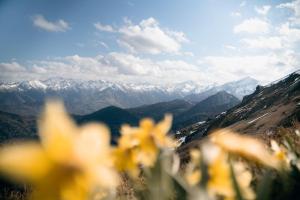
{"x":209,"y":41}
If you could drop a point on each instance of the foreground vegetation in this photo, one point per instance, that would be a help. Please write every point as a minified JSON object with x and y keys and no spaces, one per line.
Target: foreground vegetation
{"x":79,"y":163}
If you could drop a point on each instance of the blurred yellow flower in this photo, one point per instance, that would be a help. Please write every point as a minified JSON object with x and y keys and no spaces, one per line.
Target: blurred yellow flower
{"x":70,"y":162}
{"x":220,"y":181}
{"x":125,"y":159}
{"x":192,"y":172}
{"x":219,"y":176}
{"x":140,"y":145}
{"x":245,"y":146}
{"x":244,"y":178}
{"x":193,"y":177}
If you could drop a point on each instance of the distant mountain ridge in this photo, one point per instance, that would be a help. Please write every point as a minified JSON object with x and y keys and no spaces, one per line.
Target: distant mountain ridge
{"x":207,"y":108}
{"x":182,"y":111}
{"x":157,"y":110}
{"x":238,"y":89}
{"x":84,"y":97}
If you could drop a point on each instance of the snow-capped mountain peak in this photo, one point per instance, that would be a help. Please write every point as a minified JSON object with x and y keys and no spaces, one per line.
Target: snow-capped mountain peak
{"x":85,"y":96}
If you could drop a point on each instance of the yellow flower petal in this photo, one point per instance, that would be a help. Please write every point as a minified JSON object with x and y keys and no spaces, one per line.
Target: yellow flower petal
{"x":165,"y":125}
{"x":245,"y":146}
{"x":24,"y":161}
{"x":193,"y":178}
{"x":104,"y":177}
{"x":146,"y":124}
{"x":148,"y":154}
{"x":195,"y":156}
{"x":93,"y":144}
{"x":129,"y":137}
{"x":220,"y":177}
{"x":57,"y":132}
{"x":140,"y":145}
{"x":76,"y":188}
{"x":244,"y":178}
{"x":125,"y":159}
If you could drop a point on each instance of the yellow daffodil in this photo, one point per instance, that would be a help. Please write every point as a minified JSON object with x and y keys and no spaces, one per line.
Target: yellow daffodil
{"x":245,"y":146}
{"x":244,"y":178}
{"x":140,"y":145}
{"x":70,"y":162}
{"x":220,"y":181}
{"x":125,"y":159}
{"x":193,"y":177}
{"x":192,"y":172}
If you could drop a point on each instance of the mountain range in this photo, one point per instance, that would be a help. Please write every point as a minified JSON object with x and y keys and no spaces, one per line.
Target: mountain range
{"x":268,"y":107}
{"x":185,"y":113}
{"x":263,"y":113}
{"x":84,"y":97}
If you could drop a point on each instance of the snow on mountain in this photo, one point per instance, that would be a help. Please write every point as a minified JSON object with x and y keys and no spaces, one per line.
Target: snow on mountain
{"x":238,"y":88}
{"x":59,"y":84}
{"x":82,"y":96}
{"x":241,"y":87}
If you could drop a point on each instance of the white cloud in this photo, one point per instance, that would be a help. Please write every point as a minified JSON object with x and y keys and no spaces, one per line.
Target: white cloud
{"x":263,"y":10}
{"x":178,"y":36}
{"x":126,"y":67}
{"x":113,"y":66}
{"x":11,"y":67}
{"x":290,"y":34}
{"x":106,"y":28}
{"x":264,"y":42}
{"x":58,"y":26}
{"x":252,"y":25}
{"x":128,"y":64}
{"x":234,"y":67}
{"x":149,"y":37}
{"x":294,"y":6}
{"x":146,"y":37}
{"x":235,"y":14}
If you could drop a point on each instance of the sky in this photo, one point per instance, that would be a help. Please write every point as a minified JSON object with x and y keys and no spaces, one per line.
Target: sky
{"x":142,"y":41}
